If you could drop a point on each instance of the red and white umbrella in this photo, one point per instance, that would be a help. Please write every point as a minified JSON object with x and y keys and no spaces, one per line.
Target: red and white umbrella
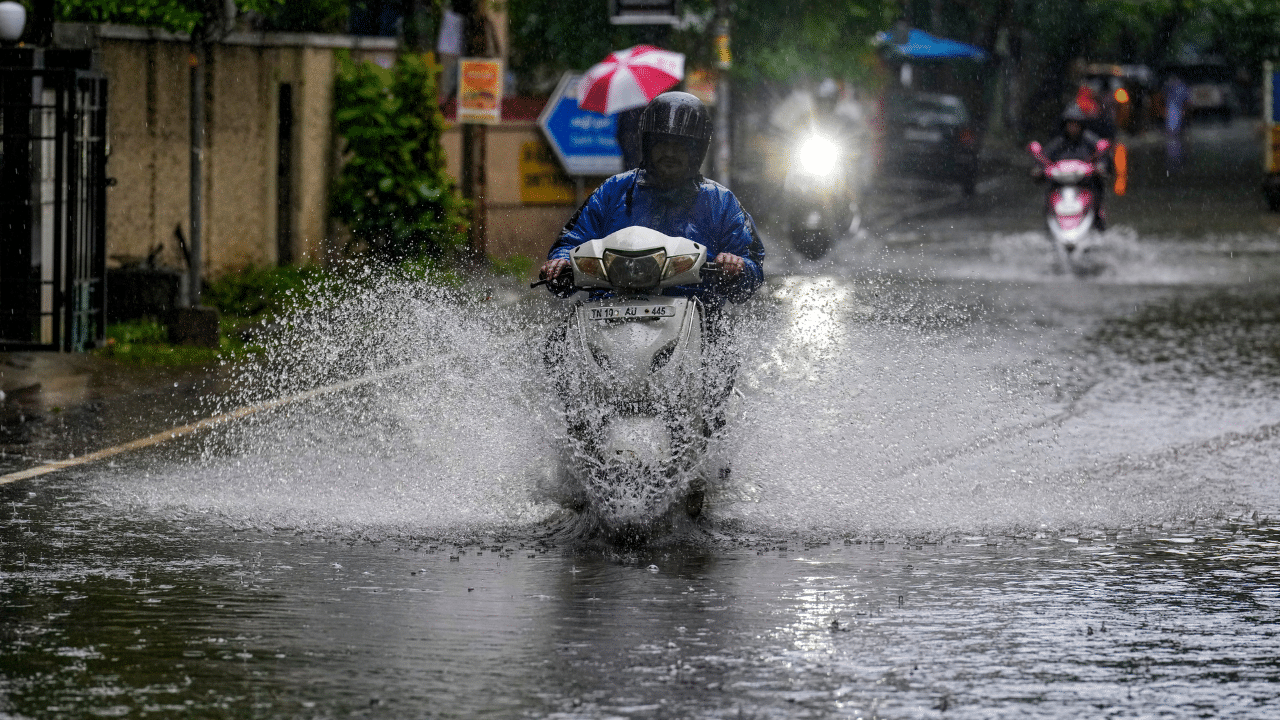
{"x":629,"y":78}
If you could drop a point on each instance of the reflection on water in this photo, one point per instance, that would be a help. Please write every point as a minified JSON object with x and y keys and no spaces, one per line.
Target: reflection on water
{"x":110,"y":617}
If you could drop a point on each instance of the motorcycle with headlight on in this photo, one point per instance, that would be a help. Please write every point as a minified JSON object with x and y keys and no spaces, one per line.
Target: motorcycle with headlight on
{"x":820,"y":196}
{"x":629,"y":368}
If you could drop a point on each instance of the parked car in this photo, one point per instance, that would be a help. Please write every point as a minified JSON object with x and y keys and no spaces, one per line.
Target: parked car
{"x":931,"y":135}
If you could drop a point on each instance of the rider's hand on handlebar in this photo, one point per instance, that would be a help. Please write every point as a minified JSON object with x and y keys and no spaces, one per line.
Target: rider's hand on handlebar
{"x":730,"y":265}
{"x":552,"y":269}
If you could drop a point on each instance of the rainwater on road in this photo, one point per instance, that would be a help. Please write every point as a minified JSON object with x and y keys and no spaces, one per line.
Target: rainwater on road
{"x":963,"y":486}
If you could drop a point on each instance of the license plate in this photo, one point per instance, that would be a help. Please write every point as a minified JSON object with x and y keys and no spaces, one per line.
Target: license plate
{"x":632,"y":312}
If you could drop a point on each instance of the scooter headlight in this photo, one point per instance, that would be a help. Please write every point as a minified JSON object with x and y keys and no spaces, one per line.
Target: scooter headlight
{"x":591,"y":266}
{"x":677,"y":264}
{"x":635,"y":270}
{"x":818,"y":155}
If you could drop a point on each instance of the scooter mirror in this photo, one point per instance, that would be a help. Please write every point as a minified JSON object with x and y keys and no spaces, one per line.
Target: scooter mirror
{"x":1035,"y":147}
{"x":1104,"y":145}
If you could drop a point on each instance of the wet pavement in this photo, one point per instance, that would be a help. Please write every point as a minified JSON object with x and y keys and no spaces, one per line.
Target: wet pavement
{"x":964,"y":486}
{"x":58,"y":405}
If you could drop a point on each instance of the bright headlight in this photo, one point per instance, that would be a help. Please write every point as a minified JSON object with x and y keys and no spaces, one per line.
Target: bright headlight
{"x":635,"y":271}
{"x":818,"y":155}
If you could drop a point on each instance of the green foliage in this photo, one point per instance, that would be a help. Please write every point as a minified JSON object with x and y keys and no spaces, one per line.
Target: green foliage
{"x":255,"y":293}
{"x":771,"y":40}
{"x":1244,"y":32}
{"x":246,"y":301}
{"x":516,"y":266}
{"x":318,"y":16}
{"x":808,"y":38}
{"x":393,"y":190}
{"x":173,"y":15}
{"x":187,"y":16}
{"x":146,"y":342}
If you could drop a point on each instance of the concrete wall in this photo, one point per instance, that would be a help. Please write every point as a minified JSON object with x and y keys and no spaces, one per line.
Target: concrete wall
{"x":515,"y":228}
{"x":148,"y":76}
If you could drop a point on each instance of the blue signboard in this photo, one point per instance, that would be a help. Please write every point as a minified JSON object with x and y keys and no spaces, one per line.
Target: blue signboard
{"x":1274,"y":115}
{"x":585,"y":142}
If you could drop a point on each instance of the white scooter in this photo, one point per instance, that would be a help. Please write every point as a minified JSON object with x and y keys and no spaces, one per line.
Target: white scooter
{"x":1070,"y":208}
{"x":632,"y":372}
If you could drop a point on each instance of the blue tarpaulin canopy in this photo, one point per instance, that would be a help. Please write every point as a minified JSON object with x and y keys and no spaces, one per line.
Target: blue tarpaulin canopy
{"x":920,"y":45}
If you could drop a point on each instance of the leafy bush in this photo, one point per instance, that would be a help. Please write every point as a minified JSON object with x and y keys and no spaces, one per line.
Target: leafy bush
{"x":255,"y":292}
{"x":183,"y":16}
{"x":146,"y":342}
{"x":393,"y":190}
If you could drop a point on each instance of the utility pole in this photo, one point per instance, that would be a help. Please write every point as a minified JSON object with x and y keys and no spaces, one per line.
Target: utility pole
{"x":474,"y":135}
{"x":193,"y":323}
{"x":195,"y":241}
{"x":724,"y":61}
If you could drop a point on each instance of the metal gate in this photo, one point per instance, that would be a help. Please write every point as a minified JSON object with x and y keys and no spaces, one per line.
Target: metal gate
{"x":52,"y":209}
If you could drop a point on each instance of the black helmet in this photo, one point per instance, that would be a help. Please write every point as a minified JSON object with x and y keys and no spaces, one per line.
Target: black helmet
{"x":680,"y":115}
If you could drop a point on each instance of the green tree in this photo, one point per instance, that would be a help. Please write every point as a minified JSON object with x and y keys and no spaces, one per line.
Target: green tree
{"x":393,"y":190}
{"x":772,"y":41}
{"x":190,"y":16}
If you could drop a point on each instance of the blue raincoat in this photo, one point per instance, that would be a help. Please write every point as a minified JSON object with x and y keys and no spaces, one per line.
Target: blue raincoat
{"x":703,"y":211}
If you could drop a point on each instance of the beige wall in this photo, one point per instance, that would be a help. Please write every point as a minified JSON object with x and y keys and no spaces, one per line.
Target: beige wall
{"x":148,"y":83}
{"x":514,"y":228}
{"x":147,"y":72}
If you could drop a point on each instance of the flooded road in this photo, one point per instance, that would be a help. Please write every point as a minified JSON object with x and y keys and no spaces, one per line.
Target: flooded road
{"x":963,"y":486}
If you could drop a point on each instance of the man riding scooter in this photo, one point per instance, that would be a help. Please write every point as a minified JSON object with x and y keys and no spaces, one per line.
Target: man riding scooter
{"x":668,"y":194}
{"x":1076,"y":143}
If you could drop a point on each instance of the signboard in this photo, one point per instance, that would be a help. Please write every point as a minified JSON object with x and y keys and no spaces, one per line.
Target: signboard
{"x":542,"y":182}
{"x":479,"y":90}
{"x":643,"y":12}
{"x":702,"y":85}
{"x":584,"y":142}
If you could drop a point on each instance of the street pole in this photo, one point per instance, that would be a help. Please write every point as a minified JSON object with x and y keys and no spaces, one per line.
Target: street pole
{"x":474,"y":136}
{"x":724,"y":61}
{"x":195,"y":261}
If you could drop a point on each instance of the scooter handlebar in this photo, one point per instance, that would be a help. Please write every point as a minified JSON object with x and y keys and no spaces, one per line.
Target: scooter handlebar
{"x":563,"y":283}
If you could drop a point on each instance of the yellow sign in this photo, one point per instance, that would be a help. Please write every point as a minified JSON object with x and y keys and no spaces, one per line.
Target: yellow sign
{"x":1275,"y":149}
{"x":542,"y":182}
{"x":479,"y":90}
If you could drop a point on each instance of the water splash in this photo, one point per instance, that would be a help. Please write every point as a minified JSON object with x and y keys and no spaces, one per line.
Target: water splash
{"x":873,"y":406}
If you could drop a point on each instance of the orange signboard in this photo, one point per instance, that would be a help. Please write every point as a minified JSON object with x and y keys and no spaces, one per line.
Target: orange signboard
{"x":479,"y":90}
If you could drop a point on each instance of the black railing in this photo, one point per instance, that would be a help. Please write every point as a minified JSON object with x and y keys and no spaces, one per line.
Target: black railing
{"x":53,"y":145}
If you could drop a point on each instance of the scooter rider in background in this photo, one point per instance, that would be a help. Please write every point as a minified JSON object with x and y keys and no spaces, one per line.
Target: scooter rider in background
{"x":1077,"y":143}
{"x":667,"y":193}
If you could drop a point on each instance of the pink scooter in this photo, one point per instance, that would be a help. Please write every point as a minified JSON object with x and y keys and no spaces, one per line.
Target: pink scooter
{"x":1070,"y":207}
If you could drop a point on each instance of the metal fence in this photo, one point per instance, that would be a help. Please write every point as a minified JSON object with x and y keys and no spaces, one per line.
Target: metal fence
{"x":53,"y":146}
